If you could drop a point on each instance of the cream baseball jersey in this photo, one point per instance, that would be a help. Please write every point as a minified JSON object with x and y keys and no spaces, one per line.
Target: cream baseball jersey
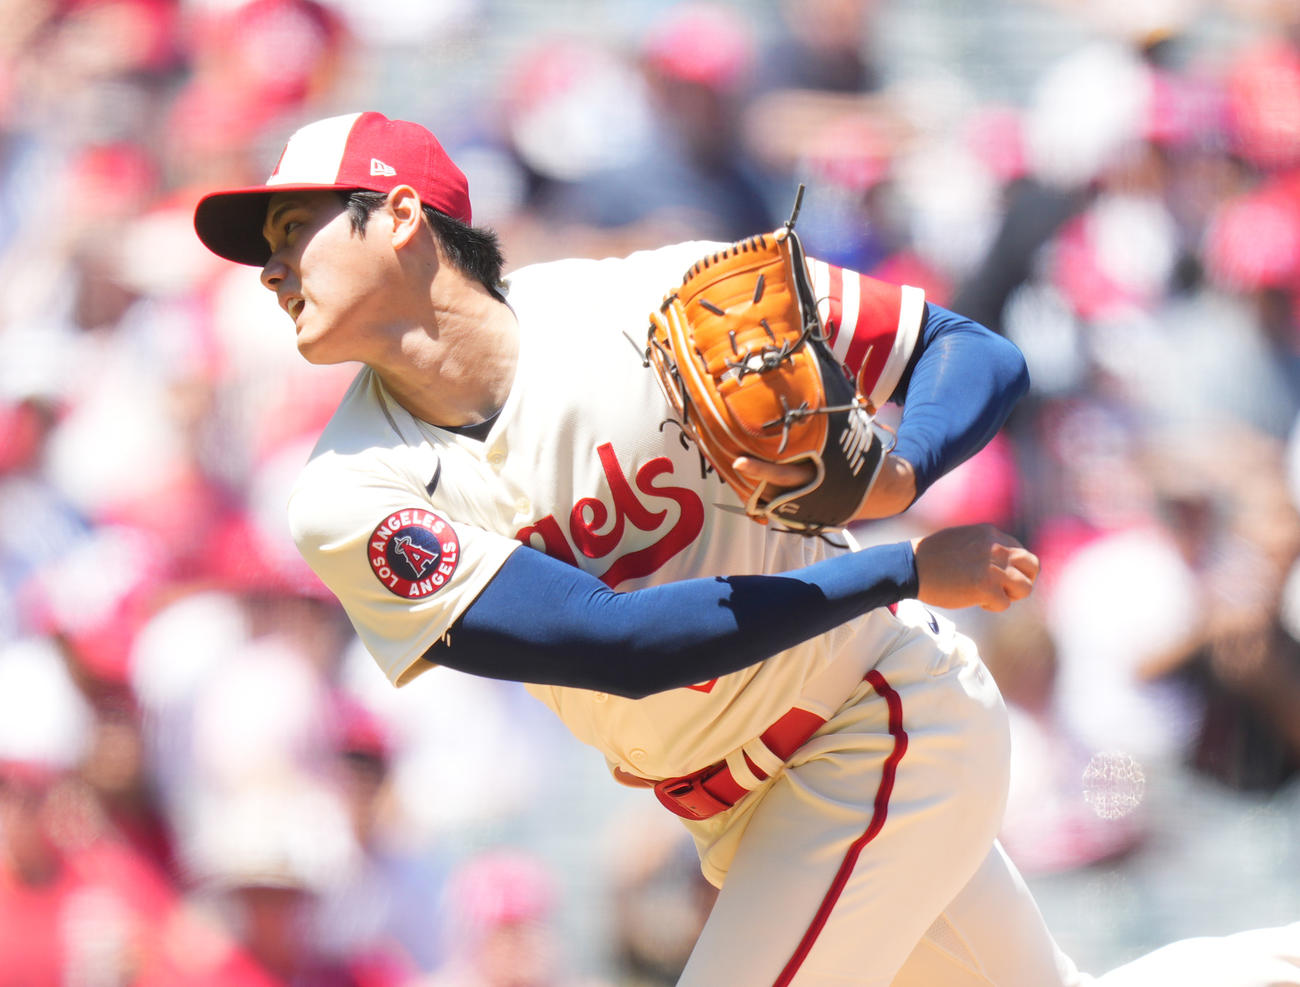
{"x":406,"y":522}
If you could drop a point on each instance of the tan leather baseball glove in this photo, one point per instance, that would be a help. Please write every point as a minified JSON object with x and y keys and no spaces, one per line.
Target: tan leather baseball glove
{"x":740,"y":353}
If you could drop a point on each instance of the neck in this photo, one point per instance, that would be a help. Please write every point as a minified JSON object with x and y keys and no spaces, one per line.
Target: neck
{"x":457,"y":369}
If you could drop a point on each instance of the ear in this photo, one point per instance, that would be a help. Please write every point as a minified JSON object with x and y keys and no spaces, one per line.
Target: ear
{"x":407,"y":214}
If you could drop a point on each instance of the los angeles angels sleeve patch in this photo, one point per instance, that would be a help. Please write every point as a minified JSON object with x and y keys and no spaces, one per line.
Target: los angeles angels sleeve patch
{"x":413,"y":553}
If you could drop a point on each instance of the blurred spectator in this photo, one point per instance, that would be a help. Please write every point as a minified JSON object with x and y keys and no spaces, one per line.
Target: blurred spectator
{"x":571,"y":108}
{"x":72,"y":905}
{"x":1052,"y":824}
{"x":389,"y":902}
{"x":1102,"y":697}
{"x":469,"y":757}
{"x":45,"y":722}
{"x":567,"y":110}
{"x":278,"y":54}
{"x":96,"y":70}
{"x":262,"y":717}
{"x":500,"y":931}
{"x":691,"y":177}
{"x":1237,"y":527}
{"x":77,"y":902}
{"x":660,"y":898}
{"x":36,"y":523}
{"x":826,"y":46}
{"x":851,"y":215}
{"x":817,"y":66}
{"x":267,"y":855}
{"x":92,"y":605}
{"x":1264,"y":103}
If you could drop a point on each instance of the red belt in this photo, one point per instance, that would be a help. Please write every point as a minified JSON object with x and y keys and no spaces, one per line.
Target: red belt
{"x":714,"y":789}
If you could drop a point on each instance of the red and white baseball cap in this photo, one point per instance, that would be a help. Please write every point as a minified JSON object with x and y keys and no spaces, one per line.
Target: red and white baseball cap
{"x":354,"y":151}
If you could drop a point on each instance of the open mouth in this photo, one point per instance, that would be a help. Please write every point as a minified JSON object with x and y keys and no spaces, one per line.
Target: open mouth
{"x":295,"y":308}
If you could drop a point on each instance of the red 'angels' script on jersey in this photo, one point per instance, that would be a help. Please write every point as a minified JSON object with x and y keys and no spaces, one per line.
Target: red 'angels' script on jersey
{"x":597,"y":536}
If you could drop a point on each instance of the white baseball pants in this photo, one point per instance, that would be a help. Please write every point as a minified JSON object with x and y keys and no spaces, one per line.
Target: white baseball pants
{"x":871,"y":860}
{"x":838,"y":865}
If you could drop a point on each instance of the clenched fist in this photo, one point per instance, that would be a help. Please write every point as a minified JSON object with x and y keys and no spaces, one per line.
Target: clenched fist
{"x":973,"y":565}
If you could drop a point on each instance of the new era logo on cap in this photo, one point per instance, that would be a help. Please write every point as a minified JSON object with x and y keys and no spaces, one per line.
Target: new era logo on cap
{"x":354,"y":151}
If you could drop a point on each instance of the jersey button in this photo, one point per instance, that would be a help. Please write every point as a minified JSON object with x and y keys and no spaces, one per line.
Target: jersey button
{"x":496,"y":457}
{"x":600,"y":697}
{"x":522,"y":505}
{"x":637,"y":755}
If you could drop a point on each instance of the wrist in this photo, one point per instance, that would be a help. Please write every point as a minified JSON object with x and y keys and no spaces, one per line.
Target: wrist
{"x":893,"y":491}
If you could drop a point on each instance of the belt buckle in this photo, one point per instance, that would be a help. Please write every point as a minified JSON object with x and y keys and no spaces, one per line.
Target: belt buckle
{"x":687,"y":796}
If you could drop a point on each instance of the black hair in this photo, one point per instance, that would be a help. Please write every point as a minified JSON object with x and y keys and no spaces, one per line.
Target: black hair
{"x":475,"y":251}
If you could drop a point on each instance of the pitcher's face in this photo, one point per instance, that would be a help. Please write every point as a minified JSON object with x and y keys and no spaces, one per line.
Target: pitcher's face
{"x":335,"y":284}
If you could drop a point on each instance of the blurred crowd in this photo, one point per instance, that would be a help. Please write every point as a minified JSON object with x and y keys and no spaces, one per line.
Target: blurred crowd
{"x":202,"y":778}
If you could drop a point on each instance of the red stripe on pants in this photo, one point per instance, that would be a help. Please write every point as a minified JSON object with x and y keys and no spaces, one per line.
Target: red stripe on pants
{"x":895,"y":704}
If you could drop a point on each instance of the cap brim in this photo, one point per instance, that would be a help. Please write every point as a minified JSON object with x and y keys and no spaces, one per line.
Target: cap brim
{"x":230,"y":223}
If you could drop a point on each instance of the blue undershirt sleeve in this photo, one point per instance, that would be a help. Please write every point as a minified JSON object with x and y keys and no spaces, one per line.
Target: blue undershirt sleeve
{"x":958,"y":389}
{"x":546,"y":622}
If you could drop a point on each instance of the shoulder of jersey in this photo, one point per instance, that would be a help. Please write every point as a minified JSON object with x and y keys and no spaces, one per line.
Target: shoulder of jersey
{"x":359,"y":419}
{"x":362,"y":436}
{"x":338,"y":491}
